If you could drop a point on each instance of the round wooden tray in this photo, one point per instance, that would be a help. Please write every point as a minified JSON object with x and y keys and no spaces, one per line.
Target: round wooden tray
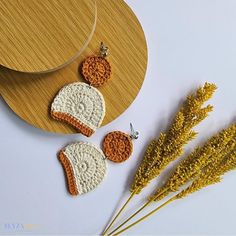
{"x":30,"y":95}
{"x":38,"y":35}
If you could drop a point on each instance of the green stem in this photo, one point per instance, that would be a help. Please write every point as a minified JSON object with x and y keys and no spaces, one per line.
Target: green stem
{"x":139,"y":210}
{"x":119,"y":212}
{"x":146,"y":216}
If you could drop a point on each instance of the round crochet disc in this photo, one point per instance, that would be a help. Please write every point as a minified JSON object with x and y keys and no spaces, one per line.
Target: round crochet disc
{"x":84,"y":165}
{"x":81,"y":106}
{"x":96,"y":70}
{"x":117,"y":146}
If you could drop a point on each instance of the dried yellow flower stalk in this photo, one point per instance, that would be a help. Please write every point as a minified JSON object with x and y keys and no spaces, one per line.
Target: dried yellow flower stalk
{"x":170,"y":144}
{"x":211,"y":152}
{"x":212,"y":174}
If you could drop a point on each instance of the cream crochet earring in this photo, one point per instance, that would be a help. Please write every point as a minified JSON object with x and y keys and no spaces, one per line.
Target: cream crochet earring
{"x":85,"y":164}
{"x":81,"y":105}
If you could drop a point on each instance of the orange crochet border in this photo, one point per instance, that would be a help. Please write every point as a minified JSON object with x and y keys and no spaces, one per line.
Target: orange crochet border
{"x":85,"y":130}
{"x":69,"y":173}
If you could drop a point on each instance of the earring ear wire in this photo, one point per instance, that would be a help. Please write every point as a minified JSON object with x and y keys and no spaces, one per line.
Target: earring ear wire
{"x":134,"y":134}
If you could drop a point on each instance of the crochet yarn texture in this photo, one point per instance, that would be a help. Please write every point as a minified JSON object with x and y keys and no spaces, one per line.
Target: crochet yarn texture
{"x":117,"y":146}
{"x":96,"y":70}
{"x":81,"y":106}
{"x":84,"y":165}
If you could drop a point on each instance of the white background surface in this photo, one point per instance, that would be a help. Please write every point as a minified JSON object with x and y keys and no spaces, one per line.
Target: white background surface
{"x":190,"y":42}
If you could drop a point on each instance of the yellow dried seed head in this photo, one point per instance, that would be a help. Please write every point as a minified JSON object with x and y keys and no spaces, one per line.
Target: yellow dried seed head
{"x":216,"y":148}
{"x":212,"y":174}
{"x":170,"y":145}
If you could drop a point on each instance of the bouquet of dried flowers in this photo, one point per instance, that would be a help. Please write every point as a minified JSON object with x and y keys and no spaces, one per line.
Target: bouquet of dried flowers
{"x":204,"y":166}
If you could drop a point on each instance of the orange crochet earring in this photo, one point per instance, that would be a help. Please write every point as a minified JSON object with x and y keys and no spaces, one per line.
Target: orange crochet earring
{"x":96,"y":69}
{"x":118,"y":146}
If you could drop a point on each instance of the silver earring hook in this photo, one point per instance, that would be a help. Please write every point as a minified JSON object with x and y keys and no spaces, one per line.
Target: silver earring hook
{"x":104,"y":50}
{"x":134,"y":134}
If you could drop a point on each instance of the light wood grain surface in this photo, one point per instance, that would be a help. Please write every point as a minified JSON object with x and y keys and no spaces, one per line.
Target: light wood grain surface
{"x":30,"y":95}
{"x":38,"y":35}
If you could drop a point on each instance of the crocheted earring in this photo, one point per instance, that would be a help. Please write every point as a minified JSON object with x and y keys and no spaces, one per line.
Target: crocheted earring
{"x":118,"y":146}
{"x":84,"y":165}
{"x":81,"y":105}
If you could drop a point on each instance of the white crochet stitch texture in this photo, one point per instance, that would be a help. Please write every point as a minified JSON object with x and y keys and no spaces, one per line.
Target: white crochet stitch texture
{"x":88,"y":164}
{"x":81,"y":101}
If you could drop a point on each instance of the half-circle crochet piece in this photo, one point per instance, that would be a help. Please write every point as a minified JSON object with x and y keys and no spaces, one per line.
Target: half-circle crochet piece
{"x":81,"y":106}
{"x":85,"y":166}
